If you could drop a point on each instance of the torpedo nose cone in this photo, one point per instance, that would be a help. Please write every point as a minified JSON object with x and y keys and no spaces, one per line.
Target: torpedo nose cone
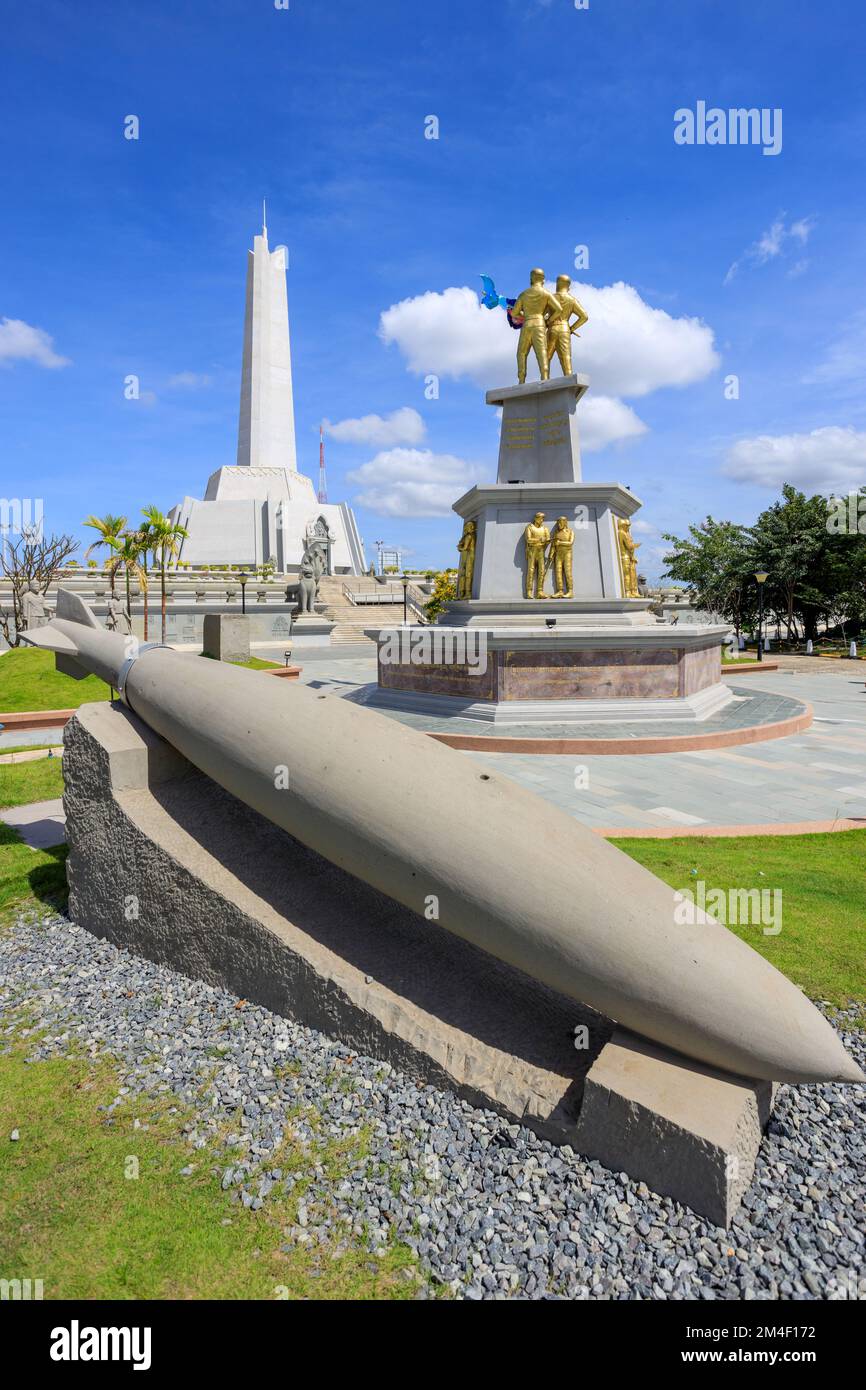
{"x":849,"y":1071}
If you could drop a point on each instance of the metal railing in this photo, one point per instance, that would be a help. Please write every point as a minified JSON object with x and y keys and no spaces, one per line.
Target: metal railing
{"x":379,"y":595}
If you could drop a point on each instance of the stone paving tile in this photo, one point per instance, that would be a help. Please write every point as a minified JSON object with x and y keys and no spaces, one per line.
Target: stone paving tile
{"x":41,"y":824}
{"x":772,"y":783}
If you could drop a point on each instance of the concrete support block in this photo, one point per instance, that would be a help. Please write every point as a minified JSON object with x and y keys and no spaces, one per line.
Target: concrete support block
{"x":226,"y":636}
{"x":225,"y":896}
{"x":686,"y":1130}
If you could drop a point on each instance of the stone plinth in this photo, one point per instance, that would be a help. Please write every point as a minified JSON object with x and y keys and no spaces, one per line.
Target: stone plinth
{"x":530,"y":674}
{"x":539,"y":440}
{"x":226,"y":897}
{"x":226,"y":636}
{"x":312,"y":630}
{"x":596,"y":656}
{"x":501,"y":513}
{"x":687,"y":1131}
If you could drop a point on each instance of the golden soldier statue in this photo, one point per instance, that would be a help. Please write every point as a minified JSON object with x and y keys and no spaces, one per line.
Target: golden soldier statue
{"x":559,"y":329}
{"x":537,"y":539}
{"x":561,"y":549}
{"x":466,"y":546}
{"x":628,"y":549}
{"x":535,"y":306}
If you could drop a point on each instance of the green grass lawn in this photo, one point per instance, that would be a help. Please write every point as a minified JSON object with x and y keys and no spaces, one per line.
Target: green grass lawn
{"x":29,"y":748}
{"x":821,"y":878}
{"x":28,"y":681}
{"x":38,"y":780}
{"x":29,"y":878}
{"x":74,"y":1214}
{"x":98,"y":1209}
{"x":823,"y":885}
{"x":254,"y":663}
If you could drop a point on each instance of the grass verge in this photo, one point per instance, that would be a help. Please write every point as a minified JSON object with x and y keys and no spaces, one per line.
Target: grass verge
{"x":97,"y":1208}
{"x":823,"y":887}
{"x":30,"y":879}
{"x":28,"y":681}
{"x":39,"y":780}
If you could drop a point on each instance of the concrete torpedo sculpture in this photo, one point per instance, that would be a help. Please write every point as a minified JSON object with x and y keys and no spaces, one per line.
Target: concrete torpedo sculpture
{"x":487,"y":860}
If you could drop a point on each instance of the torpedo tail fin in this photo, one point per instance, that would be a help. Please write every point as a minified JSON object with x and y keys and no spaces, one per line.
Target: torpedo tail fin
{"x":79,"y":641}
{"x":73,"y":608}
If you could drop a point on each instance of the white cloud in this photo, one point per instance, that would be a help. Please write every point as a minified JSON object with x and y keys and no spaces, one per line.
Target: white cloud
{"x":190,"y":381}
{"x":627,"y":348}
{"x":403,"y":426}
{"x":772,"y":243}
{"x":451,"y":334}
{"x":605,"y":420}
{"x":411,"y":482}
{"x":829,"y":459}
{"x":630,"y":349}
{"x":20,"y":341}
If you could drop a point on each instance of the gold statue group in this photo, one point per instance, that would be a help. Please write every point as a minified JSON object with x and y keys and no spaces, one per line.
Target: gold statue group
{"x":547,"y":326}
{"x":545,"y":548}
{"x":547,"y":329}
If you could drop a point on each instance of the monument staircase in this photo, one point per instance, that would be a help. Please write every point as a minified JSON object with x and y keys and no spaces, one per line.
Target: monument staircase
{"x":358,"y":602}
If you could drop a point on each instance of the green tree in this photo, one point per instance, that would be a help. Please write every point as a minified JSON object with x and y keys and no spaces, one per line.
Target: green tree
{"x":162,"y":537}
{"x":713,"y":563}
{"x":444,"y":590}
{"x":127,"y":549}
{"x":109,"y":529}
{"x":787,"y":540}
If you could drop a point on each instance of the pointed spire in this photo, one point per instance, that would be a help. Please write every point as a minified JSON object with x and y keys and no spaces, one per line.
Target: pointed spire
{"x":264,"y":219}
{"x":323,"y":486}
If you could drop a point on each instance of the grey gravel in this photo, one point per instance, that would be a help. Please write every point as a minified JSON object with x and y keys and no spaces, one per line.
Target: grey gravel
{"x":490,"y":1210}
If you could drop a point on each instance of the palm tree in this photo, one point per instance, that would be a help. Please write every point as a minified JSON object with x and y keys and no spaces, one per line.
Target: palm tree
{"x":163,"y":538}
{"x":109,"y":528}
{"x":127,"y":548}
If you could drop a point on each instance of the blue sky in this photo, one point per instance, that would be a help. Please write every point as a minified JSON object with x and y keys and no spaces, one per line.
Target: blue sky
{"x":556,"y":129}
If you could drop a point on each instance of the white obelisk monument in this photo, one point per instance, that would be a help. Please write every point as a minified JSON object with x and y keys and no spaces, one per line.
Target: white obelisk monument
{"x":266,"y":427}
{"x":262,"y":508}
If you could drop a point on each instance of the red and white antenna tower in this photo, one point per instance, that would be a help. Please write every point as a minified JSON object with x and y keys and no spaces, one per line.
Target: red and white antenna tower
{"x":323,"y":486}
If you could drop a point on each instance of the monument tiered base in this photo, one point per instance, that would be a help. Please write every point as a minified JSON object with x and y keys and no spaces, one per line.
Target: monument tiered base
{"x":571,"y":672}
{"x":227,"y":897}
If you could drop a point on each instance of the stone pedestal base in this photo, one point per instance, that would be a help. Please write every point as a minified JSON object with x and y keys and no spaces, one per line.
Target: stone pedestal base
{"x":641,"y":670}
{"x":226,"y":637}
{"x":501,"y":512}
{"x":226,"y":897}
{"x":312,"y":630}
{"x":539,"y":441}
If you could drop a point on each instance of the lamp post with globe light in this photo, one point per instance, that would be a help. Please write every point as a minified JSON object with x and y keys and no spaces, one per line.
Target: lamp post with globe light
{"x":761,"y":577}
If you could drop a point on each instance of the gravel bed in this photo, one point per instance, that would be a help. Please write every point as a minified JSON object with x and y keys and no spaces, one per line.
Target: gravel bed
{"x":491,"y":1210}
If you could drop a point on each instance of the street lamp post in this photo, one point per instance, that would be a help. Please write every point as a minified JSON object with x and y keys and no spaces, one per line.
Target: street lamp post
{"x":761,"y":577}
{"x":243,"y":577}
{"x":405,"y":602}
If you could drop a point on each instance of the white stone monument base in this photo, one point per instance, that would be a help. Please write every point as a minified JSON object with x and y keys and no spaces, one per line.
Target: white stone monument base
{"x":312,"y":630}
{"x":501,"y":513}
{"x":536,"y":614}
{"x":644,"y":672}
{"x":689,"y":709}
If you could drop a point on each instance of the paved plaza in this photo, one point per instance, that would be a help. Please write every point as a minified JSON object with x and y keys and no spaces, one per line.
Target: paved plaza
{"x":818,"y":776}
{"x":815,"y":779}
